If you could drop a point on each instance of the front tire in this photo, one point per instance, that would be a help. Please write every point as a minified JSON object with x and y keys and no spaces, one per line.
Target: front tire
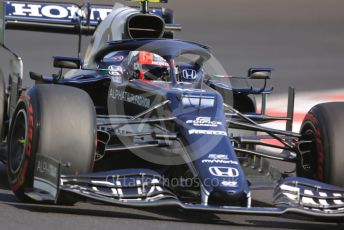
{"x":323,"y":128}
{"x":55,"y":121}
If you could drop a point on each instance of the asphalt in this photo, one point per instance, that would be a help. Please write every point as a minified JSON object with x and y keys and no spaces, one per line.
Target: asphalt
{"x":303,"y":41}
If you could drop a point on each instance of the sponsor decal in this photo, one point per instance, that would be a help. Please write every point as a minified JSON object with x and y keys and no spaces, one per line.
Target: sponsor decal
{"x":158,"y":60}
{"x":53,"y":11}
{"x":204,"y":121}
{"x":44,"y":167}
{"x":229,"y":183}
{"x":219,"y":158}
{"x":190,"y":90}
{"x":46,"y":175}
{"x":115,"y":70}
{"x":207,"y":132}
{"x":122,"y":95}
{"x":117,"y":58}
{"x":189,"y":74}
{"x":117,"y":79}
{"x":224,"y":171}
{"x":160,"y":63}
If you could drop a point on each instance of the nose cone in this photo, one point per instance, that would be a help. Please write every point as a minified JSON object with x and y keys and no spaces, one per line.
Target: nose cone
{"x":231,"y":187}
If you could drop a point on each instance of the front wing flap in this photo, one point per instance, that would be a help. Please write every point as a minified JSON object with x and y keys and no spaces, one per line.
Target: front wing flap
{"x":310,"y":195}
{"x":124,"y":185}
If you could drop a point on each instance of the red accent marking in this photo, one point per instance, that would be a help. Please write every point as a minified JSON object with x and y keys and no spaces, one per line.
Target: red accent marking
{"x":335,"y":97}
{"x":141,"y":75}
{"x":21,"y":177}
{"x":145,"y":58}
{"x":272,"y":142}
{"x":298,"y":116}
{"x":320,"y":149}
{"x":24,"y":97}
{"x":28,"y":149}
{"x":30,"y":131}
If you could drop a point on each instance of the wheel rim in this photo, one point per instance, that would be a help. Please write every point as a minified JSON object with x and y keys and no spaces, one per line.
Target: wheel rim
{"x":18,"y":142}
{"x":310,"y":158}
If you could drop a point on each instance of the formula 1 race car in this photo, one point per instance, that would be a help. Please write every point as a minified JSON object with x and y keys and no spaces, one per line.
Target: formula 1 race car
{"x":146,"y":120}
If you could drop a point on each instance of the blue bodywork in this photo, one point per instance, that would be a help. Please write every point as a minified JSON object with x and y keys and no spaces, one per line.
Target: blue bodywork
{"x":187,"y":103}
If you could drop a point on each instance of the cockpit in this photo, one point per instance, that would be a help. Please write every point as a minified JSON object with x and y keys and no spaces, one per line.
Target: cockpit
{"x":154,"y":60}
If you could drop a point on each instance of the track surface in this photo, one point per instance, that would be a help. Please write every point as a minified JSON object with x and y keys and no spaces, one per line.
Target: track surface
{"x":302,"y":39}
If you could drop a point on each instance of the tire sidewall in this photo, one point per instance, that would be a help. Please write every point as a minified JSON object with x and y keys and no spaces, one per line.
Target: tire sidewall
{"x":315,"y":123}
{"x":23,"y":179}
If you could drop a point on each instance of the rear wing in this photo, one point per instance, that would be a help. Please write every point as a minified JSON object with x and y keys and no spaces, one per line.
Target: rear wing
{"x":53,"y":17}
{"x":65,"y":18}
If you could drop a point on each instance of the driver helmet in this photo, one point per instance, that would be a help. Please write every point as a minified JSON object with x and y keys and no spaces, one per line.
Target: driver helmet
{"x":149,"y":66}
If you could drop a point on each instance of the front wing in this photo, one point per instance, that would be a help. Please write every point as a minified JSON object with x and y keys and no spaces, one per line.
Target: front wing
{"x":146,"y":188}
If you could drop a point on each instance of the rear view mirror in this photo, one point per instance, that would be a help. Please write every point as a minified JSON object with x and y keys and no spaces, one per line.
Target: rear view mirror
{"x":260,"y":73}
{"x":67,"y":62}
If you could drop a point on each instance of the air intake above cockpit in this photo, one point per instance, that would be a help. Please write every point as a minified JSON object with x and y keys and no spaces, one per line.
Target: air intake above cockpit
{"x":145,"y":26}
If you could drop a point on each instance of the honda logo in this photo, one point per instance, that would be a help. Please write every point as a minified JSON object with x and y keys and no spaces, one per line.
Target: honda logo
{"x":224,"y":171}
{"x":189,"y":74}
